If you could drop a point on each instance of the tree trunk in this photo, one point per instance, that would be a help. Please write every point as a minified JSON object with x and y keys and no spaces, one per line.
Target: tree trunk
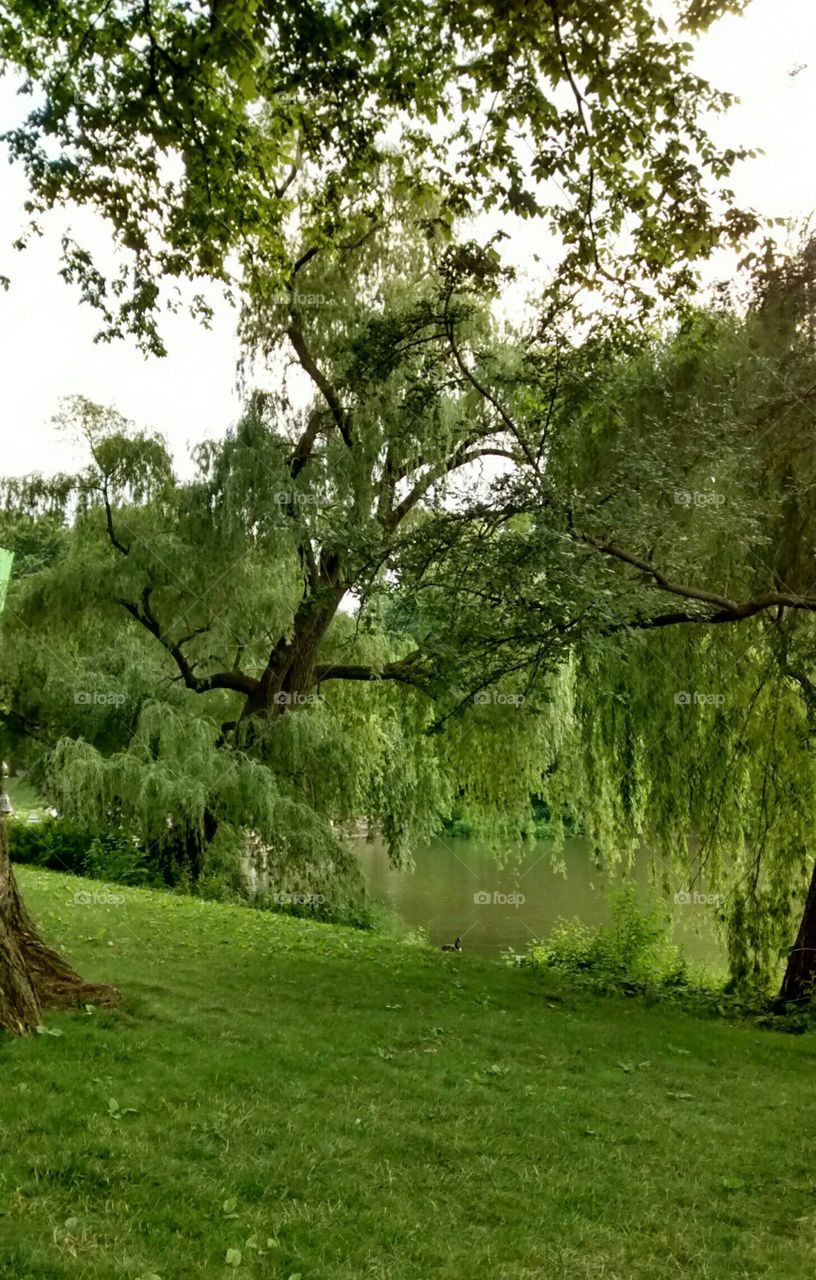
{"x":801,"y":969}
{"x":289,"y":675}
{"x":33,"y":976}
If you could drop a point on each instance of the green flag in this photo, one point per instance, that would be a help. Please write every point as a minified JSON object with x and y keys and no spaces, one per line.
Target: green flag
{"x":6,"y":559}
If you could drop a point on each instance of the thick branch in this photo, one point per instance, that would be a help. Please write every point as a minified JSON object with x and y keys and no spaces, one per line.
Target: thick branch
{"x":235,"y":680}
{"x":406,"y":671}
{"x":308,"y":363}
{"x":120,"y":546}
{"x":305,"y":445}
{"x":726,"y":610}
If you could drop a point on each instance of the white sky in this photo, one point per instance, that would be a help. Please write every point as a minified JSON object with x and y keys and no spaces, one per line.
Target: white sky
{"x":46,"y":335}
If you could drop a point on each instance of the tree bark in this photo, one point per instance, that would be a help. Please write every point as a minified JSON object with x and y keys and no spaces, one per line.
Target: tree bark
{"x":33,"y":976}
{"x":290,"y":671}
{"x":797,"y":984}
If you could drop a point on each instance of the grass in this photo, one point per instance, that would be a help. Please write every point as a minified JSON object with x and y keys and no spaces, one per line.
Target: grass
{"x":283,"y":1099}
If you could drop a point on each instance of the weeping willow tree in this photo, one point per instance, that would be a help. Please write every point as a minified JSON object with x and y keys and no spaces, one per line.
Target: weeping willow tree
{"x":177,"y":655}
{"x":668,"y":540}
{"x":655,"y":499}
{"x":714,"y":717}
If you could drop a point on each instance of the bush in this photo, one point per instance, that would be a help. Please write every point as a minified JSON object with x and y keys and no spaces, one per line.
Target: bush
{"x":60,"y":845}
{"x":633,"y":954}
{"x":52,"y":843}
{"x":117,"y":858}
{"x":354,"y":912}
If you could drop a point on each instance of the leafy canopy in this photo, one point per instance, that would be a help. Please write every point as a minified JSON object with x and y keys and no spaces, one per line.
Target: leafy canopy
{"x":195,"y":129}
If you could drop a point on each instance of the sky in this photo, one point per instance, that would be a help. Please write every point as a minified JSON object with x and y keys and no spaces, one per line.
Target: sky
{"x":767,"y":57}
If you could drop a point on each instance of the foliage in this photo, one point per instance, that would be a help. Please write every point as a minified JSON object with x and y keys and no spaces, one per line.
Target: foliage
{"x":118,"y":859}
{"x":178,"y":661}
{"x":551,"y":618}
{"x":632,"y":954}
{"x":61,"y":845}
{"x":697,"y":738}
{"x":652,"y":590}
{"x":49,"y":843}
{"x":354,"y":911}
{"x":195,"y":129}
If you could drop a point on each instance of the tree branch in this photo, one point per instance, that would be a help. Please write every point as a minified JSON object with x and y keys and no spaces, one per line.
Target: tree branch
{"x":726,"y":610}
{"x":310,"y":366}
{"x":305,"y":445}
{"x":235,"y":680}
{"x":120,"y":546}
{"x":406,"y":671}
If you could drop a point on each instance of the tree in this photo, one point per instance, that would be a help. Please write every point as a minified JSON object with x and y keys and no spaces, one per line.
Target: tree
{"x":498,"y":586}
{"x":494,"y":587}
{"x":686,"y":474}
{"x":35,"y":976}
{"x":198,"y":131}
{"x":215,"y":146}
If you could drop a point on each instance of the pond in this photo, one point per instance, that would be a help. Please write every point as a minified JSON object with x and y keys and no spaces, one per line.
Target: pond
{"x":458,"y":889}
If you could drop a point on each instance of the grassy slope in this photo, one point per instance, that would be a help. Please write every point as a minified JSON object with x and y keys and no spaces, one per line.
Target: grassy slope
{"x":375,"y":1110}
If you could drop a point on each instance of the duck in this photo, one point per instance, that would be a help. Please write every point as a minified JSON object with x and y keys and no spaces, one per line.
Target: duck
{"x":456,"y":945}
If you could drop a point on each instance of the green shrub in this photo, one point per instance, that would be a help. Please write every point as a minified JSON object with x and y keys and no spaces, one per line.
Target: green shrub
{"x":117,"y":858}
{"x":52,"y":843}
{"x":632,"y":954}
{"x":60,"y":845}
{"x":355,"y":912}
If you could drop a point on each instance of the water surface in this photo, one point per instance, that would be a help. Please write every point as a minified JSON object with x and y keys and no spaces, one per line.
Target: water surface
{"x":458,"y":889}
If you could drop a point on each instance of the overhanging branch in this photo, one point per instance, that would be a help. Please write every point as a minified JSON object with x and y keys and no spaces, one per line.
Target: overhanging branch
{"x":235,"y":680}
{"x":407,"y":670}
{"x":310,"y":366}
{"x":724,"y":608}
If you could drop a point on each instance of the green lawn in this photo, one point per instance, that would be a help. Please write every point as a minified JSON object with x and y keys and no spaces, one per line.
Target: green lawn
{"x":325,"y":1105}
